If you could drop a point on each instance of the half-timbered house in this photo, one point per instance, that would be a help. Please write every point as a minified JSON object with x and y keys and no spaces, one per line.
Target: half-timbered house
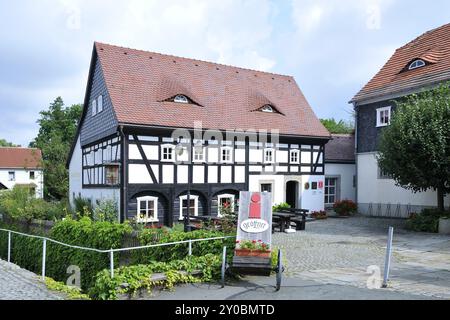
{"x":154,"y":125}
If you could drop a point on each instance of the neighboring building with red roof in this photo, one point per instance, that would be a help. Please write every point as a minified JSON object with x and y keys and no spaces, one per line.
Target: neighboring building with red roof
{"x":136,"y":136}
{"x":419,"y":65}
{"x":22,"y":166}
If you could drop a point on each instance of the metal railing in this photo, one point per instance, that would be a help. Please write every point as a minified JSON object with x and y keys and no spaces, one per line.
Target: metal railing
{"x":109,"y":251}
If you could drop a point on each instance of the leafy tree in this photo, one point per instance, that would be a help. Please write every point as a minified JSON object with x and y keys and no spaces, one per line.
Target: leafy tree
{"x":57,"y":131}
{"x":342,"y":127}
{"x":4,"y":143}
{"x":415,"y":148}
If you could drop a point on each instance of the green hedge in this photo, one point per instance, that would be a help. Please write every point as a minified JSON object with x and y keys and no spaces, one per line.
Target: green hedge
{"x":27,"y":252}
{"x":180,"y":251}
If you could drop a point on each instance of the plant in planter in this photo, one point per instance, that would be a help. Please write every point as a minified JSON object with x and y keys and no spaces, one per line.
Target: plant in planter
{"x":319,"y":215}
{"x":252,"y":248}
{"x":345,"y":208}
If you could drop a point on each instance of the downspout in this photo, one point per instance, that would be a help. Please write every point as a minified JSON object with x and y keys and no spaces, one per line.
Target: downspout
{"x":123,"y":180}
{"x":356,"y":152}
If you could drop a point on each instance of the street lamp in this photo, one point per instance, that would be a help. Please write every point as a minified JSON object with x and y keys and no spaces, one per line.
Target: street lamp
{"x":180,"y":151}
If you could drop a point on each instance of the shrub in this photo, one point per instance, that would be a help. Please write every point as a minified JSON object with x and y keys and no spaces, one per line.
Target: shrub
{"x":27,"y":252}
{"x":138,"y":277}
{"x":426,"y":221}
{"x":319,"y":215}
{"x":19,"y":204}
{"x":179,"y":251}
{"x":84,"y":233}
{"x":281,"y":206}
{"x":106,"y":210}
{"x":345,"y":207}
{"x":82,"y":205}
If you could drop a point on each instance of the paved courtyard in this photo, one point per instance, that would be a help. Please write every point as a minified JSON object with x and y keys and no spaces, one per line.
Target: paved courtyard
{"x":340,"y":251}
{"x":19,"y":284}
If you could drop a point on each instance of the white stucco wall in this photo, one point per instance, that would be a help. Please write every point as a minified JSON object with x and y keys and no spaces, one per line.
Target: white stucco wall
{"x":384,"y":191}
{"x":22,"y":176}
{"x":345,"y":173}
{"x":312,"y":200}
{"x":76,"y":183}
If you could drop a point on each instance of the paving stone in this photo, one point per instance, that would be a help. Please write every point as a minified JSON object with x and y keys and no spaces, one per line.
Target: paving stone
{"x":339,"y":251}
{"x":20,"y":284}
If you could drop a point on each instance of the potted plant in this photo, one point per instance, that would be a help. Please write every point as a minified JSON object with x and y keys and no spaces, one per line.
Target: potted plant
{"x":252,"y":248}
{"x":345,"y":208}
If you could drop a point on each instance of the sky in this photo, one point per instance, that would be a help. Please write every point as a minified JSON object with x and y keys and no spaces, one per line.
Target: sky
{"x":331,"y":47}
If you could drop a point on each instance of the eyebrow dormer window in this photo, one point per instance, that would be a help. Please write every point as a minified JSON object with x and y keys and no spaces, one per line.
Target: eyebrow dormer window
{"x":416,"y":64}
{"x":180,"y":99}
{"x":267,"y":108}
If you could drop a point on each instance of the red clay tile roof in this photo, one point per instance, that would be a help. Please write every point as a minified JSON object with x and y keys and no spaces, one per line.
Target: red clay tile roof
{"x":433,"y":47}
{"x":139,"y":82}
{"x":20,"y":158}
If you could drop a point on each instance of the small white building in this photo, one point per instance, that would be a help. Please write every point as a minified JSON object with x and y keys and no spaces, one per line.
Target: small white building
{"x":23,"y":167}
{"x":340,"y":169}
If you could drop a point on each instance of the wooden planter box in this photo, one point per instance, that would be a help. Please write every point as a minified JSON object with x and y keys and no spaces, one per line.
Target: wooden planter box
{"x":251,"y":253}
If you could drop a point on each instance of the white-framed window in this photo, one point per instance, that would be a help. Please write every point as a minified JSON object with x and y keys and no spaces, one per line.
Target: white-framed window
{"x":294,"y":156}
{"x":99,"y":104}
{"x":180,"y":99}
{"x":416,"y":64}
{"x":267,"y":108}
{"x":147,"y":209}
{"x":224,"y":200}
{"x":331,"y":190}
{"x":32,"y":175}
{"x":199,"y":154}
{"x":11,"y":176}
{"x":226,"y":154}
{"x":94,"y":107}
{"x":168,"y":152}
{"x":383,"y":116}
{"x":269,"y":155}
{"x":193,"y":205}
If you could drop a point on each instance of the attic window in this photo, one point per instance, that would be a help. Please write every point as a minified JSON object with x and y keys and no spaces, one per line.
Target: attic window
{"x":416,"y":64}
{"x":267,"y":108}
{"x":181,"y":99}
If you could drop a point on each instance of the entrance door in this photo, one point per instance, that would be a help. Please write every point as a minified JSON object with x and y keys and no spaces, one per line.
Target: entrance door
{"x":292,"y":193}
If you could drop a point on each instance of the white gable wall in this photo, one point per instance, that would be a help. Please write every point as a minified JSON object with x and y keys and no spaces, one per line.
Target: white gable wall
{"x":76,"y":182}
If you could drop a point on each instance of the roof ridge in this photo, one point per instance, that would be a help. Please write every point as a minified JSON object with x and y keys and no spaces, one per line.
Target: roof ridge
{"x":410,"y":43}
{"x":27,"y":148}
{"x":196,"y":60}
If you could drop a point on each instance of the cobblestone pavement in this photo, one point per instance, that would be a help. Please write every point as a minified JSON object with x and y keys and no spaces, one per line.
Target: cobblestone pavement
{"x":20,"y":284}
{"x":339,"y":251}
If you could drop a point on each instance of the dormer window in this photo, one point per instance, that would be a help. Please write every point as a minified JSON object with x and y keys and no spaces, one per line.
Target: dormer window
{"x":267,"y":108}
{"x":416,"y":64}
{"x":181,"y":99}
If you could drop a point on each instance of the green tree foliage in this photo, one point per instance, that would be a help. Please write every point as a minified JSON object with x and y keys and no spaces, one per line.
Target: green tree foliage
{"x":57,"y":131}
{"x":4,"y":143}
{"x":339,"y":127}
{"x":415,"y":148}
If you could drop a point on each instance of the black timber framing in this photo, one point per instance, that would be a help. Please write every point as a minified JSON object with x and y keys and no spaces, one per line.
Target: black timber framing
{"x":172,"y":191}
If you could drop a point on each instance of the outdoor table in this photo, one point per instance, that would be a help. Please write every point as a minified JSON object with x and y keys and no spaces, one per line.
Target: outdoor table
{"x":285,"y":219}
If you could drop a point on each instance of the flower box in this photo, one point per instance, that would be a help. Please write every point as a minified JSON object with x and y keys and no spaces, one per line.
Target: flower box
{"x":252,"y":253}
